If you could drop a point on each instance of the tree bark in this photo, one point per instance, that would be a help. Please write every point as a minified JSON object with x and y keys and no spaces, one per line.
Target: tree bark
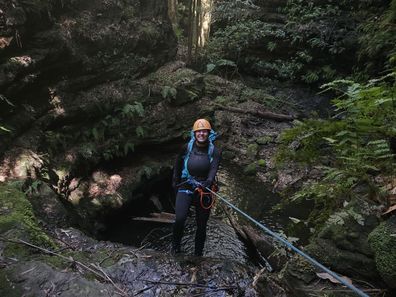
{"x":172,"y":12}
{"x":191,"y":14}
{"x":197,"y":30}
{"x":206,"y":18}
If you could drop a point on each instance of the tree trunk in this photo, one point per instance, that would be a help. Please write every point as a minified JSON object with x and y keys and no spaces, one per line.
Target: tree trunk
{"x":172,"y":12}
{"x":198,"y":18}
{"x":199,"y":25}
{"x":206,"y":18}
{"x":191,"y":13}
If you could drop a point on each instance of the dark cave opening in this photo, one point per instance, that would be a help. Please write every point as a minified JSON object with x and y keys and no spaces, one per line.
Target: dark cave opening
{"x":153,"y":195}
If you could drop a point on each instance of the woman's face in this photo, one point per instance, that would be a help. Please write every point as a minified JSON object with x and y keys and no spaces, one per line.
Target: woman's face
{"x":201,"y":135}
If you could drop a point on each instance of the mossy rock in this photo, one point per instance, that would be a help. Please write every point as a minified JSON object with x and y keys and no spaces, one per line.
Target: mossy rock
{"x":250,"y":169}
{"x":351,"y":264}
{"x":342,"y":241}
{"x":264,"y":140}
{"x":383,"y":241}
{"x":298,"y":271}
{"x":17,"y":221}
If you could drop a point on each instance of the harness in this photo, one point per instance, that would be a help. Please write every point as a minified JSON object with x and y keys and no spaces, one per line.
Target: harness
{"x":203,"y":195}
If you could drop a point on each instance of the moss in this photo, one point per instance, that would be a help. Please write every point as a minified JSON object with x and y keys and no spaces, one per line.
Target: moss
{"x":7,"y":288}
{"x":252,"y":150}
{"x":18,"y":221}
{"x":261,"y":163}
{"x":250,"y":169}
{"x":222,"y":100}
{"x":264,"y":140}
{"x":383,"y":241}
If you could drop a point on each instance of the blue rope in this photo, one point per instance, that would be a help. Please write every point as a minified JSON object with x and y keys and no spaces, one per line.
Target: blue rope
{"x":288,"y":244}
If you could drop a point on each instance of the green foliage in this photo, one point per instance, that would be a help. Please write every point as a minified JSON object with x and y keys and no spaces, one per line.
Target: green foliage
{"x":378,"y":39}
{"x":250,"y":169}
{"x":219,"y":63}
{"x":168,"y":92}
{"x":261,"y":163}
{"x":319,"y":42}
{"x":106,"y":137}
{"x":33,"y":187}
{"x":236,"y":10}
{"x":230,"y":42}
{"x":352,"y":148}
{"x":130,"y":110}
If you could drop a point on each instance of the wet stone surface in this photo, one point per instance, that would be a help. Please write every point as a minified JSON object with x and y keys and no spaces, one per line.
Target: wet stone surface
{"x":125,"y":271}
{"x":183,"y":276}
{"x":221,"y":241}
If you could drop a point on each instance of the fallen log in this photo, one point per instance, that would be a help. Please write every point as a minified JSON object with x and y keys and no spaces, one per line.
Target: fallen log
{"x":262,"y":114}
{"x":158,"y":220}
{"x":161,"y":217}
{"x":263,"y":245}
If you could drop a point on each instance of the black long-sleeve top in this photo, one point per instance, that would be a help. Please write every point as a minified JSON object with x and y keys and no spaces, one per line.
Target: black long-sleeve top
{"x":198,"y":165}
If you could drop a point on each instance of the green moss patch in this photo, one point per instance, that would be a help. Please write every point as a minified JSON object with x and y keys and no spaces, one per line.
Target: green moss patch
{"x":261,"y":163}
{"x":7,"y":288}
{"x":252,"y":150}
{"x":17,"y":221}
{"x":383,"y":241}
{"x":250,"y":169}
{"x":264,"y":140}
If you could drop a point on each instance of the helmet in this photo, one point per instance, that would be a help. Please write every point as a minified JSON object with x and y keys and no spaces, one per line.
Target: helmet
{"x":201,"y":124}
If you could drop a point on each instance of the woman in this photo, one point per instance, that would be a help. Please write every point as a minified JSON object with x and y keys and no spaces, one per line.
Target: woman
{"x":198,"y":161}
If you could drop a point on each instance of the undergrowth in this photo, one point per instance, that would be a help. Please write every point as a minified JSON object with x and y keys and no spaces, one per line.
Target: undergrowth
{"x":352,"y":149}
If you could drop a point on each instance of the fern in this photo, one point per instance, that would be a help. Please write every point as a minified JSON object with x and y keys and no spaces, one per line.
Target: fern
{"x":351,"y":148}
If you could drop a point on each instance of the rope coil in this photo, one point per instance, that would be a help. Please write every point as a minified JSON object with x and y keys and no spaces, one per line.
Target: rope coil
{"x":202,"y":195}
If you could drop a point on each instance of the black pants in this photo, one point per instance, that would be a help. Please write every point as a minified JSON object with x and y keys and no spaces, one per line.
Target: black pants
{"x":183,"y":203}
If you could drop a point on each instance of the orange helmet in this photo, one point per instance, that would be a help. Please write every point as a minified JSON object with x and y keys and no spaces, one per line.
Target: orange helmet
{"x":201,"y":124}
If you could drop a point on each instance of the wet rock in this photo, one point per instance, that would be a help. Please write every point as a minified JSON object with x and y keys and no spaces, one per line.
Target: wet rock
{"x":338,"y":247}
{"x":132,"y":271}
{"x":17,"y":221}
{"x":39,"y":279}
{"x":221,"y":240}
{"x":267,"y":285}
{"x":48,"y":207}
{"x":199,"y":276}
{"x":289,"y":178}
{"x":20,"y":164}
